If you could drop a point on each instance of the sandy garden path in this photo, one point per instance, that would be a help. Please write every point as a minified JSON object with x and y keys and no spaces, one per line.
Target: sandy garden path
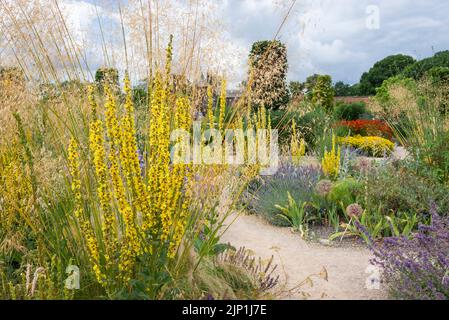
{"x":297,"y":259}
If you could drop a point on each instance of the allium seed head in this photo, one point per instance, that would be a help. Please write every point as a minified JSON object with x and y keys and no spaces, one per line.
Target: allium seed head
{"x":354,"y":210}
{"x":324,"y":187}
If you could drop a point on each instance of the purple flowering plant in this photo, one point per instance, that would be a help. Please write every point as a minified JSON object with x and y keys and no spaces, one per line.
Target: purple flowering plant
{"x":416,"y":268}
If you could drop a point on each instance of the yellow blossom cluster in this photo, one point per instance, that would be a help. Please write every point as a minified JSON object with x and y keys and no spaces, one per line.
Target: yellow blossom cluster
{"x":297,"y":146}
{"x":16,"y":193}
{"x":139,"y":211}
{"x":374,"y":146}
{"x":331,"y":160}
{"x":210,"y":106}
{"x":85,"y":224}
{"x":221,"y":118}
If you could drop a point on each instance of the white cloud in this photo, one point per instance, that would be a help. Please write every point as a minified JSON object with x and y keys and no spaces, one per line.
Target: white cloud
{"x":322,"y":36}
{"x":331,"y":36}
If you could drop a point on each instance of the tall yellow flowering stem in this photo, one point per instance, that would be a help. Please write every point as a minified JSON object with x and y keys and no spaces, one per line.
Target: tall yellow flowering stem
{"x":210,"y":110}
{"x":222,"y":106}
{"x":85,"y":226}
{"x":131,"y":247}
{"x":331,"y":160}
{"x":297,"y":146}
{"x":183,"y":120}
{"x":98,"y":151}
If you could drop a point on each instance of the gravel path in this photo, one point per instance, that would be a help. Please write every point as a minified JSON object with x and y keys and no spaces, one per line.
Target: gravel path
{"x":298,"y":259}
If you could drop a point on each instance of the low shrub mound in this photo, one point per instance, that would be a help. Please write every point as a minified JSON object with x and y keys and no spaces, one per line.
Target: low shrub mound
{"x":351,"y":111}
{"x":366,"y":128}
{"x":373,"y":146}
{"x":267,"y":195}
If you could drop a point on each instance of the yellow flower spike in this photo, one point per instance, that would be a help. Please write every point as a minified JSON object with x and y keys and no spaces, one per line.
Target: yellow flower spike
{"x":169,"y":57}
{"x":131,"y":247}
{"x":73,"y":159}
{"x":92,"y":102}
{"x":129,"y":153}
{"x":159,"y":166}
{"x":179,"y":174}
{"x":210,"y":106}
{"x":331,"y":160}
{"x":263,"y":117}
{"x":297,"y":146}
{"x":97,"y":148}
{"x":96,"y":139}
{"x":222,"y":106}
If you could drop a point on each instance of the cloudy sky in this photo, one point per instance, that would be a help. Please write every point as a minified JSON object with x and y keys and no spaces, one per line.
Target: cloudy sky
{"x":342,"y":38}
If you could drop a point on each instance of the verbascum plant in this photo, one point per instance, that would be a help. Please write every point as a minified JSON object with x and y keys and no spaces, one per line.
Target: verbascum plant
{"x":16,"y":195}
{"x":181,"y":172}
{"x":210,"y":106}
{"x":98,"y":151}
{"x":221,"y":119}
{"x":331,"y":160}
{"x":84,"y":222}
{"x":131,"y":247}
{"x":297,"y":146}
{"x":138,"y":214}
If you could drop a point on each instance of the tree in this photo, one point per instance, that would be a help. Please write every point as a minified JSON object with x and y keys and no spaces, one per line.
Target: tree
{"x":323,"y":92}
{"x":439,"y":86}
{"x":439,"y":75}
{"x":382,"y":70}
{"x":311,"y":82}
{"x":420,"y":68}
{"x":342,"y":89}
{"x":268,"y":72}
{"x":296,"y":89}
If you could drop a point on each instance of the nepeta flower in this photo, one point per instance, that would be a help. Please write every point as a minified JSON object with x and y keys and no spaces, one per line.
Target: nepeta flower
{"x":416,"y":267}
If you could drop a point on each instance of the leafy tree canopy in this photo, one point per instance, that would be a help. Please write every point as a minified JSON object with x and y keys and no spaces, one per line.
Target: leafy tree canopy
{"x":420,"y":68}
{"x":383,"y":70}
{"x":296,"y":88}
{"x":439,"y":75}
{"x":346,"y":90}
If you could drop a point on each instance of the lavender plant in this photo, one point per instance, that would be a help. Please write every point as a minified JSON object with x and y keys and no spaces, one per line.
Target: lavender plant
{"x":272,"y":191}
{"x":418,"y":267}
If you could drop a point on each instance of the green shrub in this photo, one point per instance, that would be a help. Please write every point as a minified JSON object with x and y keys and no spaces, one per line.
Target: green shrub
{"x":350,"y":112}
{"x":383,"y":94}
{"x":107,"y":76}
{"x":314,"y":127}
{"x":345,"y":191}
{"x":311,"y":125}
{"x":397,"y":188}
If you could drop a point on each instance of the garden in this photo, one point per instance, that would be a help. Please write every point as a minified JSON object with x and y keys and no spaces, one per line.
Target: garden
{"x":168,"y":188}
